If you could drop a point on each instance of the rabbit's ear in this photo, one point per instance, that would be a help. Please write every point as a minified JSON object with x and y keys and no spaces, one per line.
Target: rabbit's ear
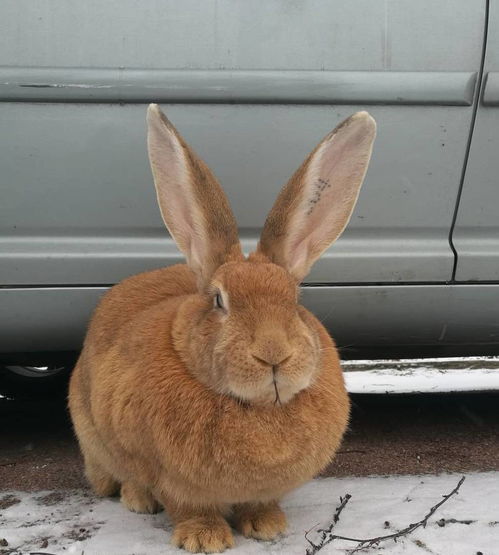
{"x":192,"y":203}
{"x":313,"y":209}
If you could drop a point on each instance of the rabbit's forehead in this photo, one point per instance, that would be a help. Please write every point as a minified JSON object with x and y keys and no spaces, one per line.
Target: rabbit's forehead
{"x":246,"y":282}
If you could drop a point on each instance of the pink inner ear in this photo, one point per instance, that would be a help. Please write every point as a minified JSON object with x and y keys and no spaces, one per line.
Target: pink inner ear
{"x":174,"y":190}
{"x":325,"y":201}
{"x":193,"y":205}
{"x":330,"y":189}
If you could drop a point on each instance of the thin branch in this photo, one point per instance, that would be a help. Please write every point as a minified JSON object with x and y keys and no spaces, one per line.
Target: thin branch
{"x":314,"y":548}
{"x":366,"y":543}
{"x":9,"y":550}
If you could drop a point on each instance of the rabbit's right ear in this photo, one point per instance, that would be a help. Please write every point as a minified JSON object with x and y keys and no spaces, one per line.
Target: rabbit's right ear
{"x":192,"y":203}
{"x":314,"y":207}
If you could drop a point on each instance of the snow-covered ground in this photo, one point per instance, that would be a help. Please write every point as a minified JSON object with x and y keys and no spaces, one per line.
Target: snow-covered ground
{"x":76,"y":522}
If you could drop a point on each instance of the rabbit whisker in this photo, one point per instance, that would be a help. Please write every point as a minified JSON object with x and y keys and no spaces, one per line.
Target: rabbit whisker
{"x":277,"y":398}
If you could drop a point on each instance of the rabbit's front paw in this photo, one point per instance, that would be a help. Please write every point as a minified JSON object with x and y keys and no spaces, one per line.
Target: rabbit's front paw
{"x":203,"y":535}
{"x":138,"y":499}
{"x":262,"y":521}
{"x":103,"y":484}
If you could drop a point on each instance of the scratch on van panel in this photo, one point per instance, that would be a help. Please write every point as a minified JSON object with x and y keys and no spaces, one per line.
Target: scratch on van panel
{"x":386,"y":44}
{"x":442,"y":333}
{"x":65,"y":86}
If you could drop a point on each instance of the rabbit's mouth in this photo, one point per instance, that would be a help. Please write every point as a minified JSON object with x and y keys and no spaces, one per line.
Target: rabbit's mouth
{"x":276,"y":390}
{"x":268,"y":363}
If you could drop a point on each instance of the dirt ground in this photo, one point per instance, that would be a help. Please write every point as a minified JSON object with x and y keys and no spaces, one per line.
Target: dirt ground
{"x":387,"y":435}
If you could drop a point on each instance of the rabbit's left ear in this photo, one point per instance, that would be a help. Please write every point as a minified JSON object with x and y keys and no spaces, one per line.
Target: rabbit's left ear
{"x":315,"y":206}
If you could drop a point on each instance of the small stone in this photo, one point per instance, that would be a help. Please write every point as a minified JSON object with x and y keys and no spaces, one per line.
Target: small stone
{"x":44,"y":544}
{"x":4,"y":542}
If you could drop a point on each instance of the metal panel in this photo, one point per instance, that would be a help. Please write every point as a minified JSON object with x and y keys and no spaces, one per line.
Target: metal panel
{"x":77,"y":201}
{"x":45,"y":319}
{"x":491,"y":89}
{"x":78,"y":204}
{"x":243,"y":87}
{"x":476,"y":234}
{"x":437,"y":315}
{"x":54,"y":319}
{"x":395,"y":35}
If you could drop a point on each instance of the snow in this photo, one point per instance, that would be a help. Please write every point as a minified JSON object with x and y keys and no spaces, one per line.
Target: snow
{"x":76,"y":522}
{"x":422,"y":380}
{"x":432,"y":375}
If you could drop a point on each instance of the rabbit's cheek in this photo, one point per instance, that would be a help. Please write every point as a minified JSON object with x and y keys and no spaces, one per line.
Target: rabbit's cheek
{"x":258,"y":384}
{"x":294,"y":382}
{"x":295,"y":377}
{"x":246,"y":380}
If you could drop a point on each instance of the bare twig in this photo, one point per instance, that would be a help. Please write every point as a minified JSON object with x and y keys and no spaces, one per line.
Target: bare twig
{"x":367,"y":543}
{"x":9,"y":550}
{"x":314,"y":548}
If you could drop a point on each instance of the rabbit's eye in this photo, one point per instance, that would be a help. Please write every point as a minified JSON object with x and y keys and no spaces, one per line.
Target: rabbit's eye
{"x":217,"y":301}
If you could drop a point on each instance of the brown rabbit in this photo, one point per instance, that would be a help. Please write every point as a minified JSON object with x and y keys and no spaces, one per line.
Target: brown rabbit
{"x":206,"y":388}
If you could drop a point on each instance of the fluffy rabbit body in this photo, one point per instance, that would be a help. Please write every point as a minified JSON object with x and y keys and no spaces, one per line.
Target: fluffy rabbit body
{"x":206,"y":388}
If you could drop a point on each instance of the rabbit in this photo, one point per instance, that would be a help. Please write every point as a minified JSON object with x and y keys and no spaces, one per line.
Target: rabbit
{"x":205,"y":388}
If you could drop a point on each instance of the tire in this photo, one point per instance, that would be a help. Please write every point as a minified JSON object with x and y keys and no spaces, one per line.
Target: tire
{"x":23,"y":381}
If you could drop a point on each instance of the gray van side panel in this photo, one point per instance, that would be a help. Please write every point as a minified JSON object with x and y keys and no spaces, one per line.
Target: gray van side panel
{"x":253,"y":87}
{"x":476,"y":234}
{"x":79,"y":205}
{"x":55,"y":319}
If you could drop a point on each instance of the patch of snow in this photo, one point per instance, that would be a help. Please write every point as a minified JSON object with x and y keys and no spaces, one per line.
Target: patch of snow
{"x":431,"y":375}
{"x":76,"y":522}
{"x":421,"y":381}
{"x":425,"y":362}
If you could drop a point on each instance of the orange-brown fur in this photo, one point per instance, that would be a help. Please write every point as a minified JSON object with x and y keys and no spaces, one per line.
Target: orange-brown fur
{"x":142,"y":417}
{"x":208,"y":389}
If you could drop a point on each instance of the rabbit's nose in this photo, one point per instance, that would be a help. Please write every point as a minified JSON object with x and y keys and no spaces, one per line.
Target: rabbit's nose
{"x":271,"y":348}
{"x":274,"y":361}
{"x":271,"y":344}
